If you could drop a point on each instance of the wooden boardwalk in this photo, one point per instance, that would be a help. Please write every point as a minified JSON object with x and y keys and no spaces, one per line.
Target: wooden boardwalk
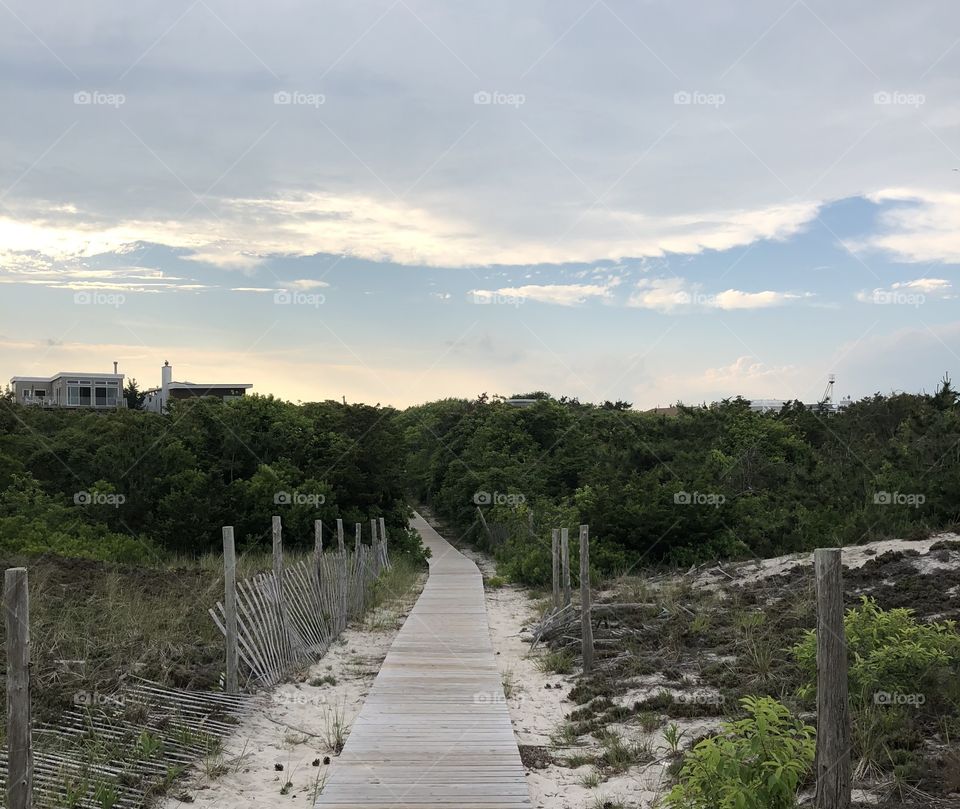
{"x":434,"y":730}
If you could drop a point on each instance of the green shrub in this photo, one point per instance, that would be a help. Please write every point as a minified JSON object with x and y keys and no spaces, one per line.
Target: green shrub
{"x":891,"y":655}
{"x":754,"y":763}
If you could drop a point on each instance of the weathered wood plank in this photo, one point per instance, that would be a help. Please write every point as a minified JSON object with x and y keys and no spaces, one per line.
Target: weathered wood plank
{"x":434,"y":730}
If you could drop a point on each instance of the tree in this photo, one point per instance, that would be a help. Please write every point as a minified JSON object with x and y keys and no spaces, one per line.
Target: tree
{"x":133,"y":395}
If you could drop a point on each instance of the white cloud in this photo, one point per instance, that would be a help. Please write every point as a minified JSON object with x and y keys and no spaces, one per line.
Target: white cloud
{"x":559,"y":294}
{"x":305,"y":284}
{"x":670,"y":294}
{"x":247,"y":231}
{"x":662,"y":294}
{"x":746,"y":371}
{"x":737,"y":299}
{"x":912,"y":292}
{"x":921,"y":228}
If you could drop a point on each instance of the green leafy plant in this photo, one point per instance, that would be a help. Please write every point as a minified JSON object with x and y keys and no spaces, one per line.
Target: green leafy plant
{"x":754,"y":763}
{"x":673,"y":736}
{"x":148,"y":745}
{"x":890,"y":653}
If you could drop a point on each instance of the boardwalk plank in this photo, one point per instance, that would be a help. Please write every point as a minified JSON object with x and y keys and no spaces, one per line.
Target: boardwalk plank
{"x":434,"y":730}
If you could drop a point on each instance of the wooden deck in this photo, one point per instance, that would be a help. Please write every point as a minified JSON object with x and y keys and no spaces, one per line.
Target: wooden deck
{"x":434,"y":730}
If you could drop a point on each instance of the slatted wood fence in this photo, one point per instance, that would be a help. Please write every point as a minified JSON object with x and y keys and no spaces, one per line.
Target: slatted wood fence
{"x":291,"y":615}
{"x":115,"y":751}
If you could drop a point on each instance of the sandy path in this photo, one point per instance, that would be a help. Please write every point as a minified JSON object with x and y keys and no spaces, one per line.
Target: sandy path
{"x":538,"y":711}
{"x":297,"y":725}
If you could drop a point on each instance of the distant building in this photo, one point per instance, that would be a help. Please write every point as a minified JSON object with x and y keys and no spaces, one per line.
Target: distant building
{"x":157,"y":399}
{"x":827,"y":404}
{"x":767,"y":405}
{"x":673,"y":410}
{"x":69,"y":389}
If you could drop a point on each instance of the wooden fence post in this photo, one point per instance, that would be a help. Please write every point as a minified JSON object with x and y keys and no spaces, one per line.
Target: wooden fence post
{"x":486,"y":528}
{"x":383,"y":542}
{"x":230,"y":608}
{"x":318,"y":539}
{"x":278,"y":583}
{"x":585,"y":607}
{"x":565,"y":564}
{"x":555,"y":558}
{"x":16,"y":600}
{"x":342,"y":576}
{"x":356,"y":539}
{"x":833,"y":718}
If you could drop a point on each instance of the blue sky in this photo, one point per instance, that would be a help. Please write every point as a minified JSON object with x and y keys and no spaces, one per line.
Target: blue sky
{"x":399,"y":201}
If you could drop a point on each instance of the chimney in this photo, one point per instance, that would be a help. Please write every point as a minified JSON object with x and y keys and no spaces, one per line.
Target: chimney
{"x":114,"y":367}
{"x":166,"y":377}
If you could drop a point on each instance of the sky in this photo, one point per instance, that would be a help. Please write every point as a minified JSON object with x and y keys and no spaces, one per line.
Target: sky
{"x":405,"y":200}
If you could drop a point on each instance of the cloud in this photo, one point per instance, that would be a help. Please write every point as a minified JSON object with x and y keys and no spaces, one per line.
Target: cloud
{"x":247,"y":231}
{"x":746,"y":371}
{"x":913,"y":292}
{"x":670,"y":294}
{"x":920,"y":227}
{"x":559,"y":294}
{"x":662,"y":294}
{"x":737,"y":299}
{"x":306,"y":284}
{"x":79,"y":277}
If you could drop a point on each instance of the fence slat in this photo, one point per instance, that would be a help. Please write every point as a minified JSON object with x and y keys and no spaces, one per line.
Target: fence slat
{"x":230,"y":607}
{"x":16,"y":602}
{"x":585,"y":619}
{"x":555,"y":567}
{"x":291,"y":614}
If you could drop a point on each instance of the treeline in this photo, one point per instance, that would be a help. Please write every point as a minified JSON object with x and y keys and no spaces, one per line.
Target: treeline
{"x":706,"y":483}
{"x":136,"y":487}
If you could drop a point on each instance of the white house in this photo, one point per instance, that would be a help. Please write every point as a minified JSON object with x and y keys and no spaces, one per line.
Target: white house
{"x":80,"y":390}
{"x":157,"y":399}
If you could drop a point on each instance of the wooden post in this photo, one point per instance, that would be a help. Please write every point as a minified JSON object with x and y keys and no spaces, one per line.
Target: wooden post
{"x":278,"y":582}
{"x":342,"y":576}
{"x":16,"y":600}
{"x":230,"y":607}
{"x":318,"y":539}
{"x":586,"y":625}
{"x":555,"y":558}
{"x":374,"y":544}
{"x":565,"y":563}
{"x":833,"y":717}
{"x":356,"y":539}
{"x":383,"y":542}
{"x":483,"y":521}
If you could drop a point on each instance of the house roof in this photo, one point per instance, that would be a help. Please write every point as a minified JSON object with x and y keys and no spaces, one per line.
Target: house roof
{"x":202,"y":386}
{"x":59,"y":374}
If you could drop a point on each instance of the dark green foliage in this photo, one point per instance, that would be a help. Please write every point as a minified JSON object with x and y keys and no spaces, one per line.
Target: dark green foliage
{"x":767,"y":483}
{"x":132,"y":486}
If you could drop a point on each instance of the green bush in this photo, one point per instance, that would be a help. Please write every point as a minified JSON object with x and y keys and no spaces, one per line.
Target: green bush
{"x":754,"y":763}
{"x":891,"y":655}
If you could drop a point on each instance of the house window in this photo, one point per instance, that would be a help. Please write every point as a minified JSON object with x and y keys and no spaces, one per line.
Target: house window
{"x":39,"y":393}
{"x":85,"y":395}
{"x":73,"y":394}
{"x":101,"y":394}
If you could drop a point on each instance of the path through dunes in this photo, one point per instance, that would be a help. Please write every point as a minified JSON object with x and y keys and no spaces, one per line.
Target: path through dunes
{"x":434,"y":730}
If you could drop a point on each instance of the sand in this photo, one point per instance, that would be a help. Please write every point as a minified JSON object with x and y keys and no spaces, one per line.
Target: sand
{"x":296,"y":724}
{"x":294,"y":727}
